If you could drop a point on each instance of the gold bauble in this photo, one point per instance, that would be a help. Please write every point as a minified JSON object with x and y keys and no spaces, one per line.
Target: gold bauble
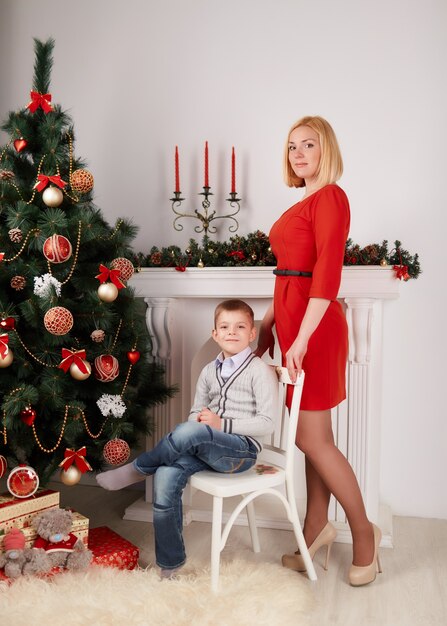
{"x":82,"y":181}
{"x":76,"y":372}
{"x":7,"y":359}
{"x":107,"y":292}
{"x":52,"y":196}
{"x":383,"y":263}
{"x":200,"y":263}
{"x":71,"y":476}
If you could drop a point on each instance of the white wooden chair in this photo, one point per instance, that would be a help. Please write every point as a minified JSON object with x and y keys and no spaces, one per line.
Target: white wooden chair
{"x":250,"y":484}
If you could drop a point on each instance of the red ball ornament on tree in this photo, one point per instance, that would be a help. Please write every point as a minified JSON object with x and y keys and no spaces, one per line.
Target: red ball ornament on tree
{"x":106,"y":368}
{"x":3,"y":466}
{"x":81,"y":181}
{"x":116,"y":451}
{"x":28,"y":415}
{"x":58,"y":320}
{"x":57,"y":249}
{"x":125,"y":267}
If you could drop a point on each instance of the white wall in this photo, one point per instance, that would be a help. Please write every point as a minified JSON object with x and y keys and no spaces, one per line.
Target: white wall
{"x":141,"y":76}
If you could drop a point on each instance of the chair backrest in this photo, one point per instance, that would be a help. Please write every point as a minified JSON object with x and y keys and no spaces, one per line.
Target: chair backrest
{"x":280,"y":449}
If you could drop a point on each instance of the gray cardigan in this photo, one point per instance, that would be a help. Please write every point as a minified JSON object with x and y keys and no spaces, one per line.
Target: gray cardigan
{"x":246,"y":402}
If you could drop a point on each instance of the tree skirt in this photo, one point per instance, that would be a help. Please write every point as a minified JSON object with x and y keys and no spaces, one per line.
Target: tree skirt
{"x":250,"y":594}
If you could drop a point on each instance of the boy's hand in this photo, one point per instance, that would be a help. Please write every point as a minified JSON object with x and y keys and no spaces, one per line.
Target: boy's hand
{"x":211,"y":419}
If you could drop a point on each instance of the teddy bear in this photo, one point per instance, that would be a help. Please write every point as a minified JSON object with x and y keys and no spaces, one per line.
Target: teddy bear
{"x":55,"y":545}
{"x":15,"y":555}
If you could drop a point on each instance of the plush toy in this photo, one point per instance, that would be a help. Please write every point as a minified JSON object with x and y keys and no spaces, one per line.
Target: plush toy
{"x":55,"y":545}
{"x":15,"y":556}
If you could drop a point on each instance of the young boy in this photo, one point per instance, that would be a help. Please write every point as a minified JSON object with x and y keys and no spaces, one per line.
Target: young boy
{"x":234,"y":404}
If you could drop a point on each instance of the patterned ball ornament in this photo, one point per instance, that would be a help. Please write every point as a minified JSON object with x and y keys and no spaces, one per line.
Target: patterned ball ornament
{"x":116,"y":451}
{"x":76,"y":373}
{"x":82,"y":181}
{"x":106,"y":368}
{"x":3,"y":465}
{"x":107,"y":292}
{"x":7,"y":359}
{"x":57,"y":249}
{"x":58,"y":320}
{"x":125,"y":267}
{"x":52,"y":196}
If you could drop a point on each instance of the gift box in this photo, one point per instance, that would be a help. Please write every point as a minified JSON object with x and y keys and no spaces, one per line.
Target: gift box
{"x":111,"y":550}
{"x":79,"y":529}
{"x":15,"y":512}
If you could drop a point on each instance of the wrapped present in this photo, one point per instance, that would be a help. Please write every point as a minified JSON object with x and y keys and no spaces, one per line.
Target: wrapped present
{"x":19,"y":512}
{"x":112,"y":550}
{"x":79,"y":529}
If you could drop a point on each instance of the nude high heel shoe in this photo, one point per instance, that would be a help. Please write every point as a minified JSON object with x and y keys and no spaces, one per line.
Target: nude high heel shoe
{"x":325,"y":538}
{"x":359,"y":575}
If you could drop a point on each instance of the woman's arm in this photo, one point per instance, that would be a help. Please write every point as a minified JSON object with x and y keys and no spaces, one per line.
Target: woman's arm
{"x":266,"y":340}
{"x":315,"y":310}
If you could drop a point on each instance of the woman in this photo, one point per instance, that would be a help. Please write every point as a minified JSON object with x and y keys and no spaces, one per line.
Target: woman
{"x":308,"y":241}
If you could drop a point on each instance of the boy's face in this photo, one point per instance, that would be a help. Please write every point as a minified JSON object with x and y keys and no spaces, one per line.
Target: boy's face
{"x":234,"y":332}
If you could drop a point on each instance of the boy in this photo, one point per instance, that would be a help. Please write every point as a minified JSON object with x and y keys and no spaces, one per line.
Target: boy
{"x":234,"y":404}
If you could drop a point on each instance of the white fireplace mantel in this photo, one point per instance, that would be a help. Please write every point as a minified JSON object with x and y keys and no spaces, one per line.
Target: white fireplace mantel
{"x":179,"y":317}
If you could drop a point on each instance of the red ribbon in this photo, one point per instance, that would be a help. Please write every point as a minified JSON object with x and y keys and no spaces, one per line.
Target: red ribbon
{"x":112,"y":275}
{"x":73,"y":356}
{"x":237,"y":254}
{"x":8,"y":323}
{"x":43,"y":181}
{"x":401,"y":272}
{"x":40,"y":100}
{"x":77,"y":457}
{"x":4,"y":339}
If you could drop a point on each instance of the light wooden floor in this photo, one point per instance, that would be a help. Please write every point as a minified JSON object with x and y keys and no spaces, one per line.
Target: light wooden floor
{"x":412,"y":590}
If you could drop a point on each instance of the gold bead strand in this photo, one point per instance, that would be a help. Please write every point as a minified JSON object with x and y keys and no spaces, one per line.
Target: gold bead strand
{"x":70,"y":167}
{"x":76,"y":254}
{"x":84,"y":419}
{"x":4,"y":432}
{"x":34,"y":190}
{"x":31,"y":354}
{"x":126,"y":382}
{"x":16,"y":256}
{"x":55,"y":447}
{"x":116,"y":336}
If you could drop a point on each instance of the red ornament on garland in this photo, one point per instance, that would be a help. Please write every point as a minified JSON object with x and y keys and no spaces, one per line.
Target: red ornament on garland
{"x":3,"y":465}
{"x":20,"y":144}
{"x":106,"y":368}
{"x":133,"y":356}
{"x":57,"y":249}
{"x":125,"y":267}
{"x":28,"y":415}
{"x":116,"y":451}
{"x":58,"y":320}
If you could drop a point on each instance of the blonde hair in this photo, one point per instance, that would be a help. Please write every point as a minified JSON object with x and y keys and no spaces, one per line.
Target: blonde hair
{"x":234,"y":305}
{"x":330,"y":167}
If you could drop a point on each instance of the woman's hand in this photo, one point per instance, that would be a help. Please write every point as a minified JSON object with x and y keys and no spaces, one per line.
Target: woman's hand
{"x":294,"y":357}
{"x":209,"y":418}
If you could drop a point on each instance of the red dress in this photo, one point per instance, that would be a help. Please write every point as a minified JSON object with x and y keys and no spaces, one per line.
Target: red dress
{"x":311,"y":237}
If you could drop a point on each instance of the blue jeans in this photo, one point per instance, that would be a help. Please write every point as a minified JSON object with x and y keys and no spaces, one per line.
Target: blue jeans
{"x":189,"y":448}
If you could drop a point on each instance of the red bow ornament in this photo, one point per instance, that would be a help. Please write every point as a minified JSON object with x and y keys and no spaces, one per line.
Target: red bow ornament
{"x":39,"y":100}
{"x":238,"y":254}
{"x":73,"y":356}
{"x":401,"y":272}
{"x":76,"y":457}
{"x":112,"y":275}
{"x":43,"y":180}
{"x":8,"y":323}
{"x":4,"y":349}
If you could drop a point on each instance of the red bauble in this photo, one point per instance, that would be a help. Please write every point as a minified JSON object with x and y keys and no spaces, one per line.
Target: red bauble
{"x":58,"y":320}
{"x":106,"y":368}
{"x":133,"y":356}
{"x":3,"y":465}
{"x":124,"y":266}
{"x":20,"y":144}
{"x":116,"y":451}
{"x":57,"y":249}
{"x":81,"y":181}
{"x":28,"y":415}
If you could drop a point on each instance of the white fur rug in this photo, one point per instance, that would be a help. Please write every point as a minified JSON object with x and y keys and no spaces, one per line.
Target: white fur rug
{"x":250,"y":594}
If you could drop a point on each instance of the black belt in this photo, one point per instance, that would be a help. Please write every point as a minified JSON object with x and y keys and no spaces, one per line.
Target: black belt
{"x":291,"y":273}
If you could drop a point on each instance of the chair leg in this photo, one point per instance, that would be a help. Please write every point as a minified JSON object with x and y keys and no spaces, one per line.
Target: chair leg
{"x":301,"y":542}
{"x":251,"y":516}
{"x":216,"y":538}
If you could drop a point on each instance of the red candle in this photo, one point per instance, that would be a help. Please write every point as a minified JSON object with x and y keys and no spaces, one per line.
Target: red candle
{"x":177,"y":172}
{"x":206,"y":165}
{"x":233,"y":172}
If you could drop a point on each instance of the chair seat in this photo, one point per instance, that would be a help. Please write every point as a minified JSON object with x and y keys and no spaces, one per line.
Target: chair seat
{"x":227,"y":485}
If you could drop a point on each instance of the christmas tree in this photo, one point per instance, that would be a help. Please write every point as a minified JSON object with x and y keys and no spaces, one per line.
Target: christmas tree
{"x":76,"y":379}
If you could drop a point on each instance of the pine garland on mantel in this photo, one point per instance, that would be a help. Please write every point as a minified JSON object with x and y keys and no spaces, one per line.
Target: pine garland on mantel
{"x":254,"y":250}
